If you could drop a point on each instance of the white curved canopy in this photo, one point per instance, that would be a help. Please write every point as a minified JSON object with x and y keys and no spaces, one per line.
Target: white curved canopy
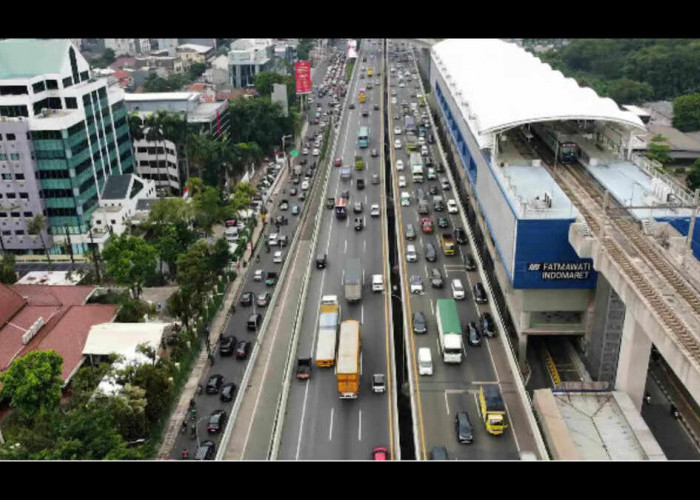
{"x":504,"y":86}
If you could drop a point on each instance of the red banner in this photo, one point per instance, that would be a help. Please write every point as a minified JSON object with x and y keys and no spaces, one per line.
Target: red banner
{"x":302,"y":75}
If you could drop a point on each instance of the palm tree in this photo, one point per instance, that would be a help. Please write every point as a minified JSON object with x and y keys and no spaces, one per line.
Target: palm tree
{"x":37,"y":225}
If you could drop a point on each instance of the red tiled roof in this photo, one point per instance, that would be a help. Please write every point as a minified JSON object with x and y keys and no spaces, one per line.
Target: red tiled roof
{"x":10,"y":303}
{"x":225,"y":96}
{"x":67,"y":295}
{"x":121,"y":74}
{"x":123,"y":62}
{"x":199,"y":86}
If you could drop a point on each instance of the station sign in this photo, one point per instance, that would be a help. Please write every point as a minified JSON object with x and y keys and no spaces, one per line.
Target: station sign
{"x":562,"y":270}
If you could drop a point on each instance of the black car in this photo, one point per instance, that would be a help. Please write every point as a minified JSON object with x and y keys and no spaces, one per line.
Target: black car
{"x":463,"y":426}
{"x":217,"y":419}
{"x":469,"y":262}
{"x":431,"y":138}
{"x":247,"y":299}
{"x":365,"y":113}
{"x":479,"y":293}
{"x":433,"y":189}
{"x":428,"y":162}
{"x":360,"y":184}
{"x":226,"y":345}
{"x":358,"y":223}
{"x":396,"y":116}
{"x":214,"y":384}
{"x":487,"y":325}
{"x":473,"y":334}
{"x":205,"y":451}
{"x":242,"y":349}
{"x":460,"y":236}
{"x":321,"y":261}
{"x":227,"y":392}
{"x":419,"y":323}
{"x":345,"y":194}
{"x":436,"y":280}
{"x":376,"y":106}
{"x":352,"y":105}
{"x":443,"y":222}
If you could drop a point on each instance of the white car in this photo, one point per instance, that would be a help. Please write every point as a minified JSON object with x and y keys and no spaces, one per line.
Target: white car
{"x":452,"y":206}
{"x":305,"y":151}
{"x":374,"y":210}
{"x":399,"y":165}
{"x":397,"y":144}
{"x":277,"y":258}
{"x":305,"y":185}
{"x":258,"y":275}
{"x":401,"y":84}
{"x":402,"y":181}
{"x":457,"y":289}
{"x":421,"y":141}
{"x":416,"y":284}
{"x":316,"y":152}
{"x":405,"y":199}
{"x":411,"y":255}
{"x":397,"y":130}
{"x":423,"y":150}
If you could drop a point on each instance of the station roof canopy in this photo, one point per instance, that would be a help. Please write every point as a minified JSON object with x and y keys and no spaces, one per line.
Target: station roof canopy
{"x":504,"y":86}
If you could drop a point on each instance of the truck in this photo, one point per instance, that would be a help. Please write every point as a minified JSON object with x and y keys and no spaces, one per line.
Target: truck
{"x":328,"y":321}
{"x":353,"y":280}
{"x":304,"y":368}
{"x":417,"y":173}
{"x":449,"y":331}
{"x":492,"y":409}
{"x":348,"y":369}
{"x":359,"y":163}
{"x":448,"y":243}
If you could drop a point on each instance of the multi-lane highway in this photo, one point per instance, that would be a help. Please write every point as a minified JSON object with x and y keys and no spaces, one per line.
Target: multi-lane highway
{"x":452,"y":387}
{"x":319,"y":425}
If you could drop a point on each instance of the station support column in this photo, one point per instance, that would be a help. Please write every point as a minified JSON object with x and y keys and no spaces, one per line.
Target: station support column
{"x":633,"y":363}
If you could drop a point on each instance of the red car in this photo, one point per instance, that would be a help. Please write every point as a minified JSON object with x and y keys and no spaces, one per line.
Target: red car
{"x":338,"y":162}
{"x":293,"y":191}
{"x":379,"y":453}
{"x":426,"y":224}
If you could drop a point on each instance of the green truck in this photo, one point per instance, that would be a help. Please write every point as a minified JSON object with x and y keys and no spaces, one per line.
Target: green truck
{"x":359,"y":163}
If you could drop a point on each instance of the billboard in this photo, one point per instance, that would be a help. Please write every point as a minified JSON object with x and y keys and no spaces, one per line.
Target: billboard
{"x":302,"y":76}
{"x":352,"y":49}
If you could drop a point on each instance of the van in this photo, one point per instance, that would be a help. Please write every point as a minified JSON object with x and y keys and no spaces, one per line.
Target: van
{"x":438,"y":203}
{"x":457,"y":289}
{"x":254,"y":321}
{"x":432,"y":175}
{"x":430,"y":252}
{"x":425,"y":361}
{"x":479,"y":293}
{"x":410,"y":232}
{"x":423,"y":207}
{"x":377,"y":283}
{"x":272,"y":240}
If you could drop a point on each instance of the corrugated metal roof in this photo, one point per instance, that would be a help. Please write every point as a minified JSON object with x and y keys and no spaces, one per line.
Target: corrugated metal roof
{"x":24,"y":58}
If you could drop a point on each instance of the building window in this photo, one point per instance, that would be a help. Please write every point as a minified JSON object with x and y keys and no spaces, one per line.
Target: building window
{"x":38,"y":87}
{"x":24,"y":196}
{"x":13,"y":111}
{"x":3,"y":156}
{"x":85,"y":75}
{"x":52,"y":84}
{"x":19,"y":232}
{"x":14,"y":156}
{"x":14,"y":214}
{"x":7,"y":177}
{"x":11,"y":196}
{"x":5,"y":232}
{"x":71,"y":103}
{"x":10,"y":137}
{"x":67,"y":82}
{"x":13,"y":90}
{"x":28,"y":214}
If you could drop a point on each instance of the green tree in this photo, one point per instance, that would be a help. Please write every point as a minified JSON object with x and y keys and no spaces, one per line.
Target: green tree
{"x":196,"y":70}
{"x":130,"y":261}
{"x":686,"y":112}
{"x":625,"y":91}
{"x":693,"y":179}
{"x":220,"y":256}
{"x":132,"y":311}
{"x":180,"y":306}
{"x":170,"y":211}
{"x":33,"y":383}
{"x":37,"y":225}
{"x":658,"y":150}
{"x":265,"y":80}
{"x":303,"y":48}
{"x":169,"y":248}
{"x":156,"y":380}
{"x":8,"y":275}
{"x":195,"y":276}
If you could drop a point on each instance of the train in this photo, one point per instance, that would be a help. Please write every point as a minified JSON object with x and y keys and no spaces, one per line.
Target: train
{"x":556,"y":140}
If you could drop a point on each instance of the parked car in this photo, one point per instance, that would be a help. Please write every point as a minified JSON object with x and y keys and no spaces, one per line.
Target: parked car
{"x":217,"y":419}
{"x":247,"y":298}
{"x":226,"y":345}
{"x":473,"y":334}
{"x":227,"y":392}
{"x":242,"y":349}
{"x":214,"y":384}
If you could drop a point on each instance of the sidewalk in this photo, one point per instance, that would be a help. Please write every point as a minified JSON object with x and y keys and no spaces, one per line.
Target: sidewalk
{"x":216,"y":328}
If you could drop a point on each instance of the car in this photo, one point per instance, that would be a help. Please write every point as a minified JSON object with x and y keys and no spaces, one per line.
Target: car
{"x":430,"y":252}
{"x":416,"y":283}
{"x":214,"y":384}
{"x":411,"y":255}
{"x":226,"y":345}
{"x":399,"y":165}
{"x":397,"y":144}
{"x":254,"y":321}
{"x":205,"y":451}
{"x":410,"y":232}
{"x":469,"y":262}
{"x":393,"y":100}
{"x":421,"y":141}
{"x":433,"y":189}
{"x":295,"y":210}
{"x":305,"y":185}
{"x":316,"y":121}
{"x":374,"y":210}
{"x":431,"y":138}
{"x":227,"y":392}
{"x":360,"y":183}
{"x":292,"y":192}
{"x":445,"y":184}
{"x":479,"y":293}
{"x":351,"y":105}
{"x":358,"y":224}
{"x":247,"y":298}
{"x":338,"y":162}
{"x":259,"y":273}
{"x":460,"y":237}
{"x":419,"y":323}
{"x":463,"y":427}
{"x":452,"y":206}
{"x":321,"y":261}
{"x":217,"y":419}
{"x":436,"y":280}
{"x":473,"y":334}
{"x":443,"y":222}
{"x":439,"y":453}
{"x":402,"y":181}
{"x":315,"y":152}
{"x":284,"y":205}
{"x":345,"y":194}
{"x":357,"y":207}
{"x":263,"y":299}
{"x":426,"y":225}
{"x":457,"y":289}
{"x":305,"y":151}
{"x":277,"y":259}
{"x":397,"y":131}
{"x":487,"y":325}
{"x":379,"y":453}
{"x":365,"y":112}
{"x":242,"y":349}
{"x":302,"y":196}
{"x":375,"y":178}
{"x":374,"y":153}
{"x":376,"y":107}
{"x":378,"y":383}
{"x":396,"y":115}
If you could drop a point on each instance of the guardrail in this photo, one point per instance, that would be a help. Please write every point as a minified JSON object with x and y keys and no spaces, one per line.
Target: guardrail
{"x":513,"y":365}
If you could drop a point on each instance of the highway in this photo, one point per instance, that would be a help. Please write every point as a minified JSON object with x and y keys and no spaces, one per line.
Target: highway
{"x":319,"y":425}
{"x":452,"y":387}
{"x":231,"y":368}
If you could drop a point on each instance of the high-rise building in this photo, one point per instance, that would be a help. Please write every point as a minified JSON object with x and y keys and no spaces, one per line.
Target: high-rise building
{"x":62,"y":133}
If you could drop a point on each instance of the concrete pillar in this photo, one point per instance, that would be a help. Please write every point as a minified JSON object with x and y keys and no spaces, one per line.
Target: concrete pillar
{"x":522,"y":349}
{"x":632,"y":366}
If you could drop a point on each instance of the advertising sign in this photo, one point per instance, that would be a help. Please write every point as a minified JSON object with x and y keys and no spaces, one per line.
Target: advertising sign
{"x":352,"y":49}
{"x":302,"y":76}
{"x":562,"y":270}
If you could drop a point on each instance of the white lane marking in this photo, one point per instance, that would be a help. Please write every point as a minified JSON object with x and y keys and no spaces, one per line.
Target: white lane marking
{"x":347,"y":221}
{"x":301,"y":423}
{"x":432,"y":307}
{"x":359,"y":428}
{"x":425,"y":266}
{"x":345,"y":249}
{"x":447,"y":405}
{"x":444,"y":266}
{"x":330,"y":430}
{"x":364,"y":245}
{"x":362,"y":314}
{"x":363,"y":277}
{"x":342,"y":280}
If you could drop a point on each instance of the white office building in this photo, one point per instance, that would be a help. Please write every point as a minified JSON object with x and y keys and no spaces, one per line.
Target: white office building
{"x":247,"y":58}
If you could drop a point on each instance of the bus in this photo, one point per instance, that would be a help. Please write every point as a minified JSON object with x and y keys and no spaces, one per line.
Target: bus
{"x":362,"y":96}
{"x":409,"y":124}
{"x":449,"y":331}
{"x":348,"y":365}
{"x":557,"y":141}
{"x":341,"y":208}
{"x":363,"y":137}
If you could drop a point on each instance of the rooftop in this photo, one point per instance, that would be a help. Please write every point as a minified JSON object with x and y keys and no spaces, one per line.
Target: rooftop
{"x":25,"y":57}
{"x":527,"y":186}
{"x":202,"y":49}
{"x":47,"y":278}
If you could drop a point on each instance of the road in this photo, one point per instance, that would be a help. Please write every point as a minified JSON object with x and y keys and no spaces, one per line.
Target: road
{"x":318,"y":424}
{"x":231,"y":368}
{"x":452,"y":387}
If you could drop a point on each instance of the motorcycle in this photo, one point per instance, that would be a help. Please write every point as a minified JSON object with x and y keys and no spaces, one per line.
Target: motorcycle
{"x":185,"y":454}
{"x":183,"y":427}
{"x":674,"y":411}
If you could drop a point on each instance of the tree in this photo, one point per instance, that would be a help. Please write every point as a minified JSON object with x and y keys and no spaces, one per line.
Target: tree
{"x":658,"y":150}
{"x":195,"y":276}
{"x":170,"y":211}
{"x":693,"y":179}
{"x":196,"y":70}
{"x":220,"y":256}
{"x":37,"y":225}
{"x":686,"y":112}
{"x":155,"y":379}
{"x":303,"y":48}
{"x":130,"y":261}
{"x":169,"y":248}
{"x":180,"y":306}
{"x":8,"y":275}
{"x":33,"y":383}
{"x":265,"y":80}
